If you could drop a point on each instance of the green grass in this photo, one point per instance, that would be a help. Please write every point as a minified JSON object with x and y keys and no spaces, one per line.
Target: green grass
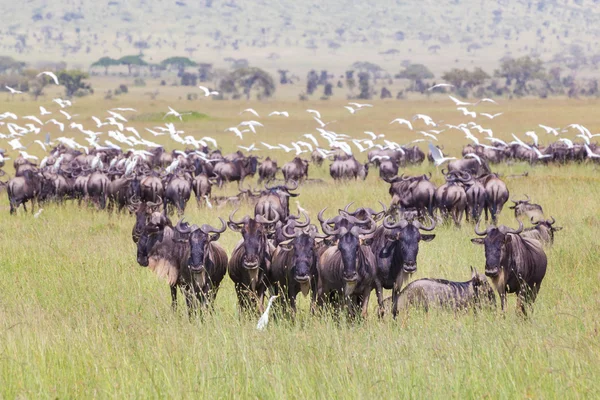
{"x":80,"y":319}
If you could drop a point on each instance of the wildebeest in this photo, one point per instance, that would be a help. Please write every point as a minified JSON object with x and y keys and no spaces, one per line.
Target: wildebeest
{"x":275,"y":200}
{"x":514,"y":264}
{"x":470,"y":165}
{"x":208,"y":260}
{"x":267,"y":170}
{"x":543,"y":230}
{"x":416,"y":193}
{"x":96,"y":188}
{"x":295,"y":170}
{"x":430,"y":293}
{"x":202,"y":188}
{"x":388,"y":169}
{"x":348,"y":168}
{"x":178,"y":189}
{"x":151,"y":187}
{"x":451,"y":199}
{"x":122,"y":190}
{"x":22,"y":189}
{"x":525,"y":208}
{"x":236,"y":170}
{"x":250,"y":260}
{"x":347,"y":270}
{"x":294,"y":265}
{"x":476,"y":199}
{"x":496,"y":195}
{"x":396,"y":247}
{"x":143,"y":211}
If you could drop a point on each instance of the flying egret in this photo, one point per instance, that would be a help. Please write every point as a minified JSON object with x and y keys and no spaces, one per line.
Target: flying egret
{"x":282,"y":113}
{"x":208,"y":92}
{"x":43,"y":111}
{"x":175,"y":114}
{"x":403,"y":121}
{"x":33,"y":118}
{"x":67,"y":115}
{"x":590,"y":153}
{"x":568,"y":142}
{"x":27,"y":156}
{"x":486,"y":100}
{"x":315,"y":112}
{"x":312,"y":138}
{"x":532,"y":135}
{"x":50,"y":74}
{"x":359,"y":106}
{"x":438,"y":156}
{"x":13,"y":91}
{"x":439,"y":85}
{"x":459,"y":102}
{"x":491,"y":116}
{"x":374,"y":136}
{"x":425,"y":118}
{"x":249,"y":148}
{"x":116,"y":115}
{"x":264,"y":319}
{"x":270,"y":147}
{"x":429,"y":135}
{"x":521,"y":143}
{"x":124,"y":109}
{"x":62,"y":103}
{"x":250,"y":110}
{"x":464,"y":110}
{"x":350,"y":109}
{"x":475,"y":156}
{"x":539,"y":154}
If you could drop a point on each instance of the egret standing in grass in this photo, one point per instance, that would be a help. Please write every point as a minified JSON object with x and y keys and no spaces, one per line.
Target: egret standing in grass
{"x":264,"y":319}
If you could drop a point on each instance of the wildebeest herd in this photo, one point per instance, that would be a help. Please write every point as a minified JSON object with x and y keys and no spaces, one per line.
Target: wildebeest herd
{"x":338,"y":261}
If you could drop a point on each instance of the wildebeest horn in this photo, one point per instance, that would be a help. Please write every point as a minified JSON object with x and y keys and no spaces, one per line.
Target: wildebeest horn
{"x":135,"y":200}
{"x":157,"y":204}
{"x":477,"y":232}
{"x":304,"y":225}
{"x":262,"y":220}
{"x":209,"y":229}
{"x":431,"y":227}
{"x":402,"y":223}
{"x":291,"y":187}
{"x":183,"y":227}
{"x":320,"y":216}
{"x":551,"y":223}
{"x":383,"y":206}
{"x":516,"y":232}
{"x":240,"y":222}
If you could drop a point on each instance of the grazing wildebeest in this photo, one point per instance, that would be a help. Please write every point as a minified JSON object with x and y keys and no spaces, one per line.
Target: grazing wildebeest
{"x":294,"y":265}
{"x":236,"y":170}
{"x":122,"y":190}
{"x":348,"y":168}
{"x":267,"y":170}
{"x":396,"y":247}
{"x":496,"y":194}
{"x":524,"y":208}
{"x":451,"y":199}
{"x":347,"y":270}
{"x":414,"y":155}
{"x":22,"y":189}
{"x":388,"y":169}
{"x":317,"y":158}
{"x":202,"y":188}
{"x":470,"y":165}
{"x":413,"y":193}
{"x":514,"y":264}
{"x":96,"y":188}
{"x":274,"y":200}
{"x":430,"y":293}
{"x":250,"y":260}
{"x":208,"y":260}
{"x":543,"y":230}
{"x":178,"y":190}
{"x":295,"y":170}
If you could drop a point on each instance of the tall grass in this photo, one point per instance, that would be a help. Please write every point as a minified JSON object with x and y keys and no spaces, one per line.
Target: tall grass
{"x":79,"y":318}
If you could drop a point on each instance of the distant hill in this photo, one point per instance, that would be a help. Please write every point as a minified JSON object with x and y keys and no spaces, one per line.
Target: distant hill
{"x":300,"y":35}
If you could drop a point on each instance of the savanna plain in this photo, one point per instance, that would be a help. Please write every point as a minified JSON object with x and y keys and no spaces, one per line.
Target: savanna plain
{"x":79,"y":318}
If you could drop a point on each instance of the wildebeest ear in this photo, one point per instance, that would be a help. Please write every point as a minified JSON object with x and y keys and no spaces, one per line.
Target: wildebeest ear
{"x":477,"y":240}
{"x":557,"y":228}
{"x":214,"y":237}
{"x":234,"y":227}
{"x":427,"y":238}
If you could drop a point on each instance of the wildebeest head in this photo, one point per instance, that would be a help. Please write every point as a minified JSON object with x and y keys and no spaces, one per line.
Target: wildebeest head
{"x":402,"y":241}
{"x":483,"y":291}
{"x":199,"y":239}
{"x":142,"y":213}
{"x":495,"y":240}
{"x":349,"y":234}
{"x":548,"y":226}
{"x":254,"y":232}
{"x":364,"y":213}
{"x":151,"y":234}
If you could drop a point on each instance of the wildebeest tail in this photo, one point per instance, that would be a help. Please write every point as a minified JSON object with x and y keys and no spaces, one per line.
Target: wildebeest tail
{"x":103,"y":190}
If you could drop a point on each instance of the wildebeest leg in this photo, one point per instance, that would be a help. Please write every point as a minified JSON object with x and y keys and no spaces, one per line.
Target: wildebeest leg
{"x":395,"y":297}
{"x":379,"y":293}
{"x":24,"y":207}
{"x":174,"y":298}
{"x":365,"y":303}
{"x":486,"y":213}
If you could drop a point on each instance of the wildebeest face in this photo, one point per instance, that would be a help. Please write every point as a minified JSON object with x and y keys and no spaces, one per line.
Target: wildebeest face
{"x":147,"y":240}
{"x":495,"y":243}
{"x":406,"y":241}
{"x":348,"y":247}
{"x":303,"y":257}
{"x":254,"y":244}
{"x":199,"y":246}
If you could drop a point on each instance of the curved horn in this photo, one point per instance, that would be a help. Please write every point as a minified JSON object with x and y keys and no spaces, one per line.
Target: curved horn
{"x":291,"y":188}
{"x":429,"y":228}
{"x":384,"y":207}
{"x":477,"y":232}
{"x":402,"y":223}
{"x":209,"y":229}
{"x":551,"y":223}
{"x":320,"y":216}
{"x":519,"y":230}
{"x":157,"y":204}
{"x":289,"y":225}
{"x":240,"y":222}
{"x":183,"y":227}
{"x":261,"y":219}
{"x":347,"y":207}
{"x":304,"y":225}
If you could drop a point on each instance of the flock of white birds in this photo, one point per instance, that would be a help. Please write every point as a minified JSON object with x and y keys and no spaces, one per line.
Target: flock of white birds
{"x":112,"y":132}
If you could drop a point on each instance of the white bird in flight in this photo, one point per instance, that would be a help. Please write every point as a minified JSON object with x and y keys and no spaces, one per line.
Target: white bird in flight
{"x":374,"y":136}
{"x":62,"y":103}
{"x":429,"y":135}
{"x":50,"y":74}
{"x":175,"y":114}
{"x":459,"y":102}
{"x":350,"y":109}
{"x":425,"y":118}
{"x":359,"y":106}
{"x":539,"y":154}
{"x":235,"y":130}
{"x":440,"y":85}
{"x":464,"y":110}
{"x":403,"y":121}
{"x":475,"y":156}
{"x":491,"y":116}
{"x":315,"y":112}
{"x":282,"y":113}
{"x":27,"y":156}
{"x":532,"y":135}
{"x":208,"y":92}
{"x":590,"y":153}
{"x":521,"y":143}
{"x":67,"y":115}
{"x":249,"y":148}
{"x":250,"y":110}
{"x":264,"y":319}
{"x":43,"y":111}
{"x":549,"y":129}
{"x":60,"y":125}
{"x":13,"y":91}
{"x":438,"y":156}
{"x":486,"y":100}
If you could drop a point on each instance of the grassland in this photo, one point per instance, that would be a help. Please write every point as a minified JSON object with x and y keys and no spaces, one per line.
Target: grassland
{"x":80,"y":319}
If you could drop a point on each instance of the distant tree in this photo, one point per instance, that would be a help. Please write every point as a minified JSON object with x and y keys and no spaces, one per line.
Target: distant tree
{"x":416,"y":73}
{"x":10,"y":64}
{"x":205,"y":72}
{"x":179,"y":62}
{"x":520,"y":71}
{"x":385,"y":93}
{"x":312,"y":81}
{"x":189,"y":79}
{"x":248,"y":80}
{"x":130,"y":61}
{"x":328,"y":90}
{"x":465,"y":80}
{"x":364,"y":85}
{"x":323,"y":77}
{"x":283,"y":78}
{"x":74,"y":83}
{"x":105,"y":62}
{"x":350,"y":82}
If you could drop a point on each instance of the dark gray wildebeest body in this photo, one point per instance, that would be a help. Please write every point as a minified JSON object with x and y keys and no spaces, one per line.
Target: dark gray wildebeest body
{"x":525,"y":208}
{"x":151,"y":187}
{"x":413,"y":193}
{"x":348,"y":168}
{"x":496,"y":194}
{"x":476,"y":200}
{"x":236,"y":170}
{"x":451,"y":199}
{"x":543,"y":230}
{"x":208,"y":260}
{"x":441,"y":293}
{"x":142,"y":211}
{"x":388,"y":169}
{"x":514,"y":264}
{"x":267,"y":170}
{"x":295,"y":170}
{"x":22,"y":189}
{"x":202,"y":188}
{"x":294,"y":262}
{"x":178,"y":190}
{"x":347,"y":270}
{"x":470,"y":165}
{"x":396,"y":247}
{"x":96,"y":188}
{"x":251,"y":260}
{"x":275,"y":201}
{"x":122,"y":190}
